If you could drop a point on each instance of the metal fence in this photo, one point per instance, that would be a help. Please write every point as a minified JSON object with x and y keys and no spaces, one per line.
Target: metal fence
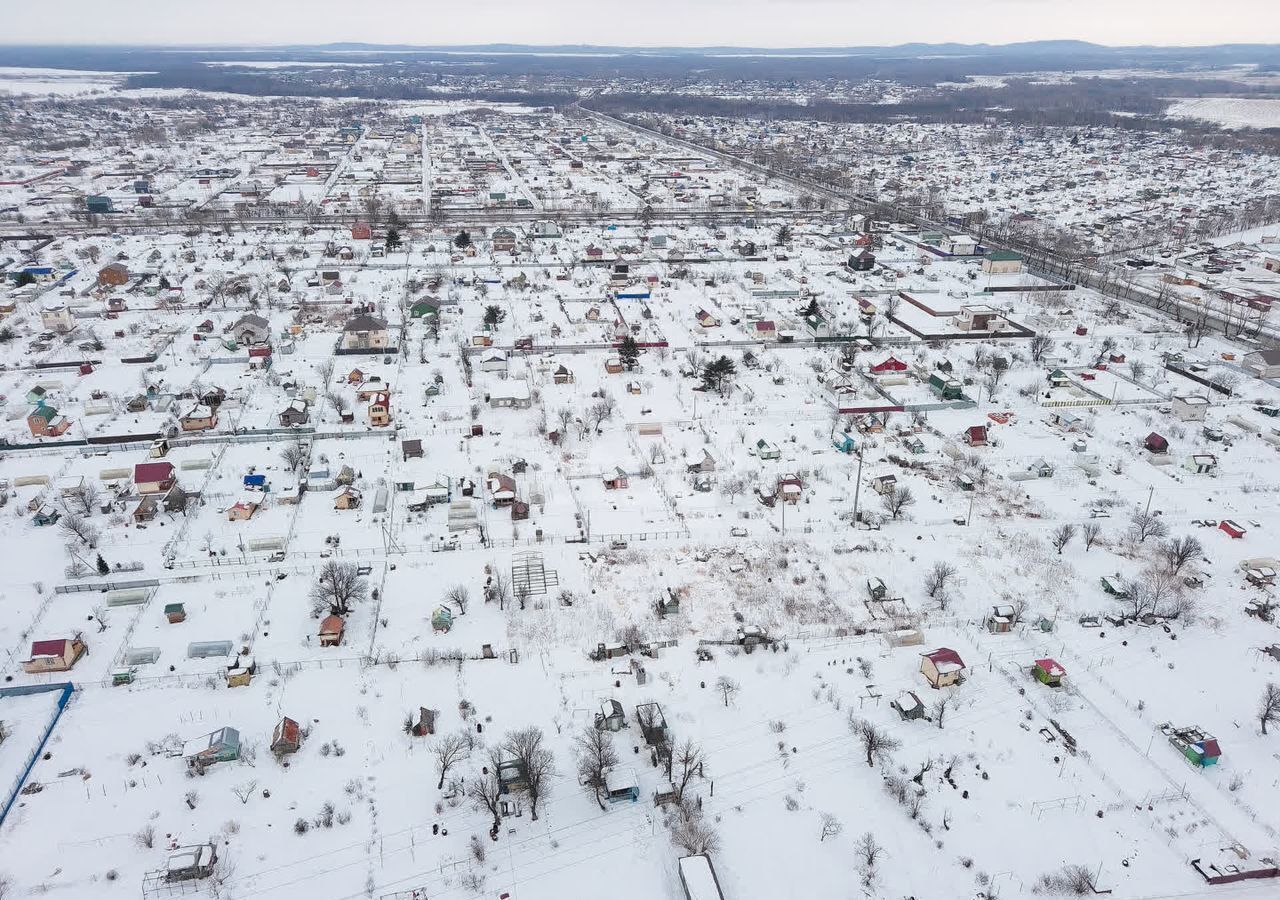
{"x":66,"y":689}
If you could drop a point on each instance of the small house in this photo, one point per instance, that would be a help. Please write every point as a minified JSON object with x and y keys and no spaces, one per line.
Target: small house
{"x":766,"y":450}
{"x":892,"y":364}
{"x":620,"y":784}
{"x":884,"y":484}
{"x":1114,"y":585}
{"x":380,"y":409}
{"x":286,"y":737}
{"x":294,"y":414}
{"x":242,"y":510}
{"x":1001,"y":619}
{"x":908,"y":705}
{"x":1048,"y":671}
{"x":198,"y":418}
{"x":426,"y":723}
{"x":1156,"y":443}
{"x":251,"y":330}
{"x":411,"y":449}
{"x":442,"y":619}
{"x":46,"y":421}
{"x":1232,"y":528}
{"x":1199,"y":748}
{"x":175,"y":613}
{"x":54,"y":656}
{"x":114,"y":274}
{"x":946,"y":387}
{"x":1191,"y":408}
{"x":347,"y":497}
{"x":611,"y":717}
{"x":615,"y":480}
{"x":976,"y":436}
{"x":218,"y":746}
{"x":1202,"y":463}
{"x":364,"y":332}
{"x":331,"y":629}
{"x":153,"y":477}
{"x":1002,"y":262}
{"x":942,"y":667}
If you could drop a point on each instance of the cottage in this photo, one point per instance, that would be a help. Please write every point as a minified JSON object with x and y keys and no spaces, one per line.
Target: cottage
{"x":199,"y":417}
{"x":218,"y":746}
{"x":621,"y":784}
{"x":562,"y":375}
{"x":612,"y":717}
{"x":146,"y":510}
{"x":295,"y":414}
{"x":502,"y":489}
{"x":154,"y":477}
{"x":1198,"y":747}
{"x":503,"y":240}
{"x":908,"y":705}
{"x":1262,"y":363}
{"x":1232,"y":528}
{"x":766,"y":450}
{"x":615,"y":480}
{"x":1002,"y":262}
{"x":54,"y":656}
{"x":1191,"y":408}
{"x":286,"y":737}
{"x":46,"y":421}
{"x":347,"y":497}
{"x":243,"y":509}
{"x":364,"y":332}
{"x":976,"y":436}
{"x":884,"y":484}
{"x":114,"y":274}
{"x":380,"y":409}
{"x":511,"y":395}
{"x":1202,"y":463}
{"x":442,"y":619}
{"x":493,"y":361}
{"x":942,"y":667}
{"x":1001,"y":619}
{"x":765,"y":330}
{"x":251,"y":330}
{"x":892,"y":364}
{"x":426,"y":308}
{"x":862,"y":261}
{"x":1048,"y":671}
{"x":331,"y":629}
{"x":1155,"y":443}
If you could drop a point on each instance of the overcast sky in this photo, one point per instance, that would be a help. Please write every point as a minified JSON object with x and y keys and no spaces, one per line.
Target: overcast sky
{"x":760,"y":23}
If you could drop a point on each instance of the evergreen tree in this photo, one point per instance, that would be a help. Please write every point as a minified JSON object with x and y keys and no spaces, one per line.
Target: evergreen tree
{"x":103,"y":568}
{"x":629,"y":352}
{"x":393,"y":239}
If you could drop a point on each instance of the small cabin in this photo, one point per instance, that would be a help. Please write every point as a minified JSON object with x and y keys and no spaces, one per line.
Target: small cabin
{"x":286,"y":737}
{"x":331,"y":631}
{"x":942,"y":667}
{"x":1048,"y":671}
{"x":908,"y":705}
{"x":621,"y":785}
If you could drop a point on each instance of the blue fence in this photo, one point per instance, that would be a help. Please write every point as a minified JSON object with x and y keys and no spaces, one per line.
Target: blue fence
{"x":66,"y":689}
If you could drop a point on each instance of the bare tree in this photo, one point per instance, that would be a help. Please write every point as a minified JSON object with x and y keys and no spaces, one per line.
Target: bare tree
{"x":1156,"y":591}
{"x":537,"y":764}
{"x":244,"y":791}
{"x":897,"y":499}
{"x":831,"y":827}
{"x":686,"y":760}
{"x":876,"y":744}
{"x":338,"y":588}
{"x":293,"y":455}
{"x":595,"y":755}
{"x":1269,"y":707}
{"x":449,"y":751}
{"x":941,"y":705}
{"x":78,"y":526}
{"x":1090,"y":532}
{"x":86,"y":497}
{"x":485,"y":790}
{"x":692,"y":833}
{"x":459,"y":596}
{"x":728,"y":688}
{"x":565,"y":416}
{"x":1177,"y":552}
{"x":499,"y":587}
{"x":1145,"y":525}
{"x":1040,"y":346}
{"x":868,"y":853}
{"x":939,"y":577}
{"x":1062,"y":536}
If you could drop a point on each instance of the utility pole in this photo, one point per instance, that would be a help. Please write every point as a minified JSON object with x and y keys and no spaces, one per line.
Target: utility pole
{"x":1150,"y":493}
{"x":857,"y":487}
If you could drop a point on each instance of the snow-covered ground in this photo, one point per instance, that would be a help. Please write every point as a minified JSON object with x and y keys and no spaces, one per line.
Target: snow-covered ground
{"x":584,"y":493}
{"x":1229,"y":112}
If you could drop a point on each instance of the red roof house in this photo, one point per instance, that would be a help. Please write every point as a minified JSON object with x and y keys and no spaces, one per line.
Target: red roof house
{"x":54,"y":656}
{"x":361,"y":231}
{"x":1232,"y":528}
{"x":941,"y":667}
{"x":1156,"y":444}
{"x":153,"y":477}
{"x":892,"y":364}
{"x":976,"y":436}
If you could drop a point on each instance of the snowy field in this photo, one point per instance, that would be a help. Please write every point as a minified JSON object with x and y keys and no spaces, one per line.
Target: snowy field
{"x":1229,"y":112}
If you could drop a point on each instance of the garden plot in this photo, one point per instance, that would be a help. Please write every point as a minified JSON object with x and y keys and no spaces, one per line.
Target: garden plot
{"x":219,"y":621}
{"x":25,"y":717}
